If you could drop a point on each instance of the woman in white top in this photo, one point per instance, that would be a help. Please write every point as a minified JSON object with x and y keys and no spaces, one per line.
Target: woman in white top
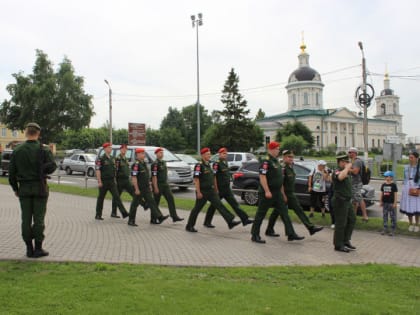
{"x":317,"y":187}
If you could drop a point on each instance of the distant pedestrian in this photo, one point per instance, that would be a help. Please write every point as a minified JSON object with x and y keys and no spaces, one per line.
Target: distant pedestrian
{"x":317,"y":186}
{"x":410,"y":195}
{"x":30,"y":164}
{"x":388,"y":202}
{"x":357,"y":184}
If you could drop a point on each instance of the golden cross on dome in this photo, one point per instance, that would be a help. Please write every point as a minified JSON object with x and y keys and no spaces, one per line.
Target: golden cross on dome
{"x":303,"y":46}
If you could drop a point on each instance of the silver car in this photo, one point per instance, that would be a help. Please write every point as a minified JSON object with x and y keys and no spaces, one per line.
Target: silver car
{"x":83,"y":163}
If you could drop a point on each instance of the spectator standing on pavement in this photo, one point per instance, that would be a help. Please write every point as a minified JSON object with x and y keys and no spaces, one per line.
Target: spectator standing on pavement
{"x":345,"y":218}
{"x":141,"y":182}
{"x":317,"y":186}
{"x":271,"y":194}
{"x":222,"y":184}
{"x":30,"y":164}
{"x":410,"y":195}
{"x":388,"y":202}
{"x":161,"y":186}
{"x":205,"y":190}
{"x":356,"y":182}
{"x":105,"y":173}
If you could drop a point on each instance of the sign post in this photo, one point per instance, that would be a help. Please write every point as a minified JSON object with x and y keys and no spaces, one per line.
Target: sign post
{"x":136,"y":134}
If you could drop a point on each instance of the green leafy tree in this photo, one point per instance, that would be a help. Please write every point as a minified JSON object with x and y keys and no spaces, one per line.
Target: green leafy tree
{"x":189,"y":114}
{"x":56,"y":101}
{"x":295,"y":143}
{"x":298,"y":129}
{"x":153,"y":137}
{"x":260,"y":114}
{"x":172,"y":139}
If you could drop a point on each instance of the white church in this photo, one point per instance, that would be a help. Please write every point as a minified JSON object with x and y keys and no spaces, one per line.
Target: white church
{"x":339,"y":126}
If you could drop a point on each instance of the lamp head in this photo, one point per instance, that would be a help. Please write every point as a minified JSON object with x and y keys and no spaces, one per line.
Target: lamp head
{"x":360,"y":45}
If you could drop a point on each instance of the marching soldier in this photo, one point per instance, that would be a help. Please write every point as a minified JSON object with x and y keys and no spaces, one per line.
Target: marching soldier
{"x":345,"y":218}
{"x":271,"y":194}
{"x":161,"y":186}
{"x":30,"y":164}
{"x":222,"y":185}
{"x":205,"y":190}
{"x":291,"y":200}
{"x":105,"y":173}
{"x":123,"y":179}
{"x":141,"y":182}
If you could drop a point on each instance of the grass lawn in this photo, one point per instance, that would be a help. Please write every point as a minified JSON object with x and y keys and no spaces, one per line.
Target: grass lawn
{"x":75,"y":288}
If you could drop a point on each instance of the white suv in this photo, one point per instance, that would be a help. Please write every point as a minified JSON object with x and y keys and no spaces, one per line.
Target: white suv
{"x":235,"y":159}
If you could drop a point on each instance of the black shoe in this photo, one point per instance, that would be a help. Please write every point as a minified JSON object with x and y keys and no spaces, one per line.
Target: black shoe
{"x":314,"y":229}
{"x":115,"y":216}
{"x":190,"y":229}
{"x":125,"y":214}
{"x":155,"y":221}
{"x":295,"y":238}
{"x":349,"y":246}
{"x":247,"y":221}
{"x":163,"y":218}
{"x":257,"y":239}
{"x":233,"y":223}
{"x":146,"y":207}
{"x":39,"y":252}
{"x":341,"y":249}
{"x":209,"y":225}
{"x":29,"y":249}
{"x":98,"y":217}
{"x":132,"y":223}
{"x":272,"y":233}
{"x":177,"y":219}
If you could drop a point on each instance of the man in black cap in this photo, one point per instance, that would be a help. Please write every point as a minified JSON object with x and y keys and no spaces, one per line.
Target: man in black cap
{"x":344,"y":215}
{"x":30,"y":164}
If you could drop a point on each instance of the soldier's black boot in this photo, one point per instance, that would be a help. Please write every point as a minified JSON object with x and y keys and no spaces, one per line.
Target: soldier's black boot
{"x":29,"y":249}
{"x":39,"y":252}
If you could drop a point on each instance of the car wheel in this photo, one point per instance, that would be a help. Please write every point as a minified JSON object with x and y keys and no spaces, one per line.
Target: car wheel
{"x":68,"y":170}
{"x":91,"y":172}
{"x":250,"y":197}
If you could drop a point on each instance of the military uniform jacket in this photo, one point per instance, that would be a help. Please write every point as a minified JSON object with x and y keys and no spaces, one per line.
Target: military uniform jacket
{"x":160,"y":170}
{"x":122,"y":167}
{"x":106,"y":165}
{"x":271,"y":168}
{"x":222,"y":172}
{"x":25,"y":163}
{"x":342,"y":189}
{"x":139,"y":169}
{"x":204,"y":172}
{"x":289,"y":179}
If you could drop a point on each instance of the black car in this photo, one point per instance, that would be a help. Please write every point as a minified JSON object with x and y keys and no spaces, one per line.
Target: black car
{"x":5,"y":160}
{"x":246,"y":180}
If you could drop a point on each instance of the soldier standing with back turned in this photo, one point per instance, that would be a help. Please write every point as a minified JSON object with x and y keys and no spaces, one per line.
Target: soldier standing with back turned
{"x":30,"y":164}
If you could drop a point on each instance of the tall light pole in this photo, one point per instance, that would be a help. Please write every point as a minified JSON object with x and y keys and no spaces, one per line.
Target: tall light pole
{"x":196,"y":23}
{"x":365,"y":103}
{"x":110,"y":110}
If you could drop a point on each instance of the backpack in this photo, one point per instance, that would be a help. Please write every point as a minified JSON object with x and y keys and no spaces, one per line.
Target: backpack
{"x":365,"y":173}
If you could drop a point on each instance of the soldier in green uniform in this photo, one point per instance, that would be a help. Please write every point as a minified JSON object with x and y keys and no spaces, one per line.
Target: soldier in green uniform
{"x":30,"y":164}
{"x":271,"y":194}
{"x":123,"y":179}
{"x":205,"y":190}
{"x":345,"y":218}
{"x":222,"y":185}
{"x":105,"y":173}
{"x":141,"y":182}
{"x":290,"y":198}
{"x":161,"y":186}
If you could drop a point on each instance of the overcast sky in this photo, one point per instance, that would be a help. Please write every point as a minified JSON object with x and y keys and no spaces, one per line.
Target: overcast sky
{"x":147,"y":51}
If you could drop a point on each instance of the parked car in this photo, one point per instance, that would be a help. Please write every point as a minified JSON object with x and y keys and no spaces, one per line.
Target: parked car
{"x":236,"y":159}
{"x":5,"y":160}
{"x":246,"y":181}
{"x":83,"y":162}
{"x":191,"y":161}
{"x":179,"y":172}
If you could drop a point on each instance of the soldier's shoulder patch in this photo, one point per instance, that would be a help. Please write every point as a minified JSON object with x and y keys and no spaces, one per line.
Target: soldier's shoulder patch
{"x":265,"y":165}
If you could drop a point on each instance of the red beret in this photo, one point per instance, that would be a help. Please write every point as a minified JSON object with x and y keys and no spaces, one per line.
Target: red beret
{"x":124,"y":145}
{"x":273,"y":145}
{"x":106,"y":144}
{"x":139,"y":150}
{"x":204,"y":150}
{"x":221,"y":150}
{"x":158,"y":150}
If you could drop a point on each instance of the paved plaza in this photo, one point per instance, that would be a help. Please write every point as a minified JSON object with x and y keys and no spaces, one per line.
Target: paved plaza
{"x":72,"y":234}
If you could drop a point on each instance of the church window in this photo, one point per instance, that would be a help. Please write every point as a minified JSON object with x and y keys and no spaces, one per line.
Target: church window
{"x":317,"y":141}
{"x":305,"y":99}
{"x":335,"y":140}
{"x":383,"y":111}
{"x":373,"y":143}
{"x":317,"y":98}
{"x":394,"y":106}
{"x":379,"y":143}
{"x":294,"y":100}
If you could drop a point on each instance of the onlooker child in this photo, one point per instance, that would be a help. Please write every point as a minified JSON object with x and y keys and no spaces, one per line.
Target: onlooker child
{"x":388,"y":201}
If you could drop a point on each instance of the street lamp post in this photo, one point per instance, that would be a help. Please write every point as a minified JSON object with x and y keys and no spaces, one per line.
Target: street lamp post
{"x":110,"y":110}
{"x":365,"y":103}
{"x":196,"y":22}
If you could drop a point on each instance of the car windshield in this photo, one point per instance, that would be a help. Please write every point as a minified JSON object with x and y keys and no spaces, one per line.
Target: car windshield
{"x":167,"y":156}
{"x":90,"y":157}
{"x":187,"y":158}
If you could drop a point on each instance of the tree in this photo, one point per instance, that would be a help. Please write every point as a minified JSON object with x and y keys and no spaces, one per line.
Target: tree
{"x":295,"y":143}
{"x":236,"y":131}
{"x":56,"y":101}
{"x":298,"y":129}
{"x":260,"y":114}
{"x":189,"y":114}
{"x":172,"y":139}
{"x":152,"y":137}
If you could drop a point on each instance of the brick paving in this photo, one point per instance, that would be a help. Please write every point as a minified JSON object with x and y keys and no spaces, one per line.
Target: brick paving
{"x":72,"y":234}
